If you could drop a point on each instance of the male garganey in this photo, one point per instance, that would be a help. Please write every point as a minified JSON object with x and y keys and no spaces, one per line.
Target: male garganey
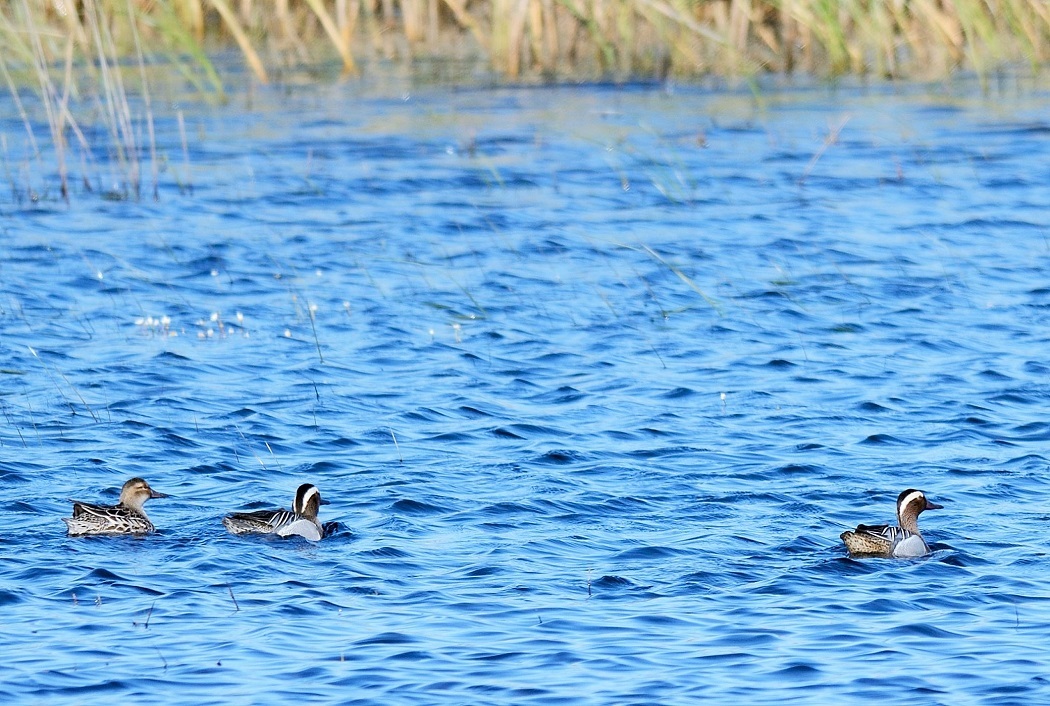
{"x":885,"y":540}
{"x":300,"y":521}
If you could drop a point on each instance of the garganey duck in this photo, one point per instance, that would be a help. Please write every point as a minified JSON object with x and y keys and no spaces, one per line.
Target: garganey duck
{"x":300,"y":521}
{"x":885,"y":540}
{"x":126,"y":517}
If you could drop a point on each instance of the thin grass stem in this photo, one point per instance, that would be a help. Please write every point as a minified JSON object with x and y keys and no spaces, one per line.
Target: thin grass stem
{"x":146,"y":100}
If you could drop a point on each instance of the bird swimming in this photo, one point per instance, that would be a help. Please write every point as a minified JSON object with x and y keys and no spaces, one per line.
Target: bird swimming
{"x":888,"y":541}
{"x":126,"y":517}
{"x":300,"y":521}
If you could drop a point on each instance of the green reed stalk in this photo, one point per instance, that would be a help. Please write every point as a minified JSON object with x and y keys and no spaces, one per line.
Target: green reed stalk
{"x":146,"y":101}
{"x":55,"y":115}
{"x":116,"y":104}
{"x":35,"y":149}
{"x":180,"y":33}
{"x":186,"y":182}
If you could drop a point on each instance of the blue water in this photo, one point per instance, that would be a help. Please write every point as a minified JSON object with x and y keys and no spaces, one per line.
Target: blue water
{"x":592,"y":376}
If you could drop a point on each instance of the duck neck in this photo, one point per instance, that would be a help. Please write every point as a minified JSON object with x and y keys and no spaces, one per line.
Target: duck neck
{"x":909,"y":519}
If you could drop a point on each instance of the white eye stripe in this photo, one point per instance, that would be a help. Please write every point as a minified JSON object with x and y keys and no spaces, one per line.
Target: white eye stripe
{"x":303,"y":499}
{"x":914,"y":496}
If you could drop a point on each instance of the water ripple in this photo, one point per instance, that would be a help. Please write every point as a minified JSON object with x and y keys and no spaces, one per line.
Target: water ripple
{"x":591,"y":402}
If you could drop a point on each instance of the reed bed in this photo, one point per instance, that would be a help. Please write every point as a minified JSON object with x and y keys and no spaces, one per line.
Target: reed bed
{"x":541,"y":38}
{"x":93,"y":53}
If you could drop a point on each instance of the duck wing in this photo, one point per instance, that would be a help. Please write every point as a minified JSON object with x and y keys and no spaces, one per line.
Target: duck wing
{"x":106,"y":519}
{"x":890,"y":533}
{"x":260,"y":521}
{"x":84,"y":510}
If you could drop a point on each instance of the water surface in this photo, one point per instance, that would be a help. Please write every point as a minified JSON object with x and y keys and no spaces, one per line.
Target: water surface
{"x":593,"y":376}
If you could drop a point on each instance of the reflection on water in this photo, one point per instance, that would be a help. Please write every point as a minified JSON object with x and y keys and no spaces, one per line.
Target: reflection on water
{"x":593,"y":377}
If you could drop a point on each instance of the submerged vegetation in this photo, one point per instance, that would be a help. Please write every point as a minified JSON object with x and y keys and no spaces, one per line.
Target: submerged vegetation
{"x":73,"y":52}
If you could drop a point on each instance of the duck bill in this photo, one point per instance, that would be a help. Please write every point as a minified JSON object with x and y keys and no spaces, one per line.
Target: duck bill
{"x":154,"y":494}
{"x":324,"y":502}
{"x":933,"y":506}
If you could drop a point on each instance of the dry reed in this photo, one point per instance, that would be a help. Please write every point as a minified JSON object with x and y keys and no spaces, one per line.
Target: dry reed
{"x":551,"y":37}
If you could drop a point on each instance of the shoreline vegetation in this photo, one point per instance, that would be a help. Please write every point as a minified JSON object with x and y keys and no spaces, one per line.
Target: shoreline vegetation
{"x":545,"y":39}
{"x":75,"y":52}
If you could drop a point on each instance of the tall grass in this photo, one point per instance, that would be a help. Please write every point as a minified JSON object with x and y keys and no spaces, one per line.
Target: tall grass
{"x":549,"y":37}
{"x":94,"y":52}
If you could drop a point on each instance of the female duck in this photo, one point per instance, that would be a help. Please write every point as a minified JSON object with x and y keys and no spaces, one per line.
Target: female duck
{"x":901,"y":541}
{"x":126,"y":517}
{"x":301,"y":521}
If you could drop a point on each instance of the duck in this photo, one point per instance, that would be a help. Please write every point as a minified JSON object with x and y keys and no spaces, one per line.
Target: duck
{"x":300,"y":521}
{"x":888,"y":541}
{"x":126,"y":517}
